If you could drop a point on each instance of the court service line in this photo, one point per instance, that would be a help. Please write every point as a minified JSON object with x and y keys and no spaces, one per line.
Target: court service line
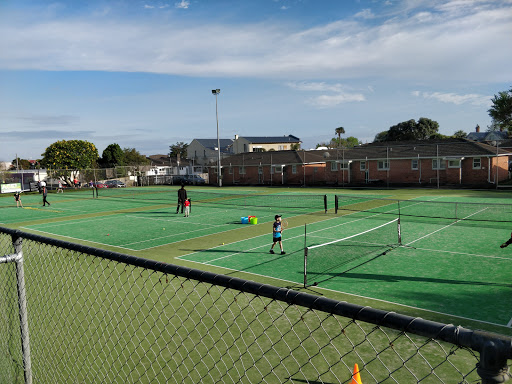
{"x":446,"y":226}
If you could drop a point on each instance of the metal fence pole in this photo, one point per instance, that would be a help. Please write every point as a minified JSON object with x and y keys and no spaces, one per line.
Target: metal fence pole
{"x":22,"y":302}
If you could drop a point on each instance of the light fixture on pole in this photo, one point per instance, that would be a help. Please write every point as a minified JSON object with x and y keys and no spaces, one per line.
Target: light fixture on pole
{"x":219,"y":175}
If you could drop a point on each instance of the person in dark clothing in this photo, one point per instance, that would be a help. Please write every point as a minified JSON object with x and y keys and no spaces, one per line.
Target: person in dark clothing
{"x":45,"y":193}
{"x":507,"y":243}
{"x":182,"y":196}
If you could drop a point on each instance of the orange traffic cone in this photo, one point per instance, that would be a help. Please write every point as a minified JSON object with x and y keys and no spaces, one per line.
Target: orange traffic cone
{"x":356,"y":378}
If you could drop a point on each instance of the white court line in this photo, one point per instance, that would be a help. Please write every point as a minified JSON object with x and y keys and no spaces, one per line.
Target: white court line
{"x":446,"y":226}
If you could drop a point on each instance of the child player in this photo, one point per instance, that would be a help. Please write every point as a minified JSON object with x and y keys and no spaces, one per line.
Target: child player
{"x":17,"y":198}
{"x":277,"y":231}
{"x":187,"y":207}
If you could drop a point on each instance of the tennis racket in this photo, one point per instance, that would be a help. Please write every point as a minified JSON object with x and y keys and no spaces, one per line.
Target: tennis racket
{"x":284,"y":224}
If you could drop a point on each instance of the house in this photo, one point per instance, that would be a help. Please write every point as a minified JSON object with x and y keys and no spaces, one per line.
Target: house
{"x":491,"y":137}
{"x":451,"y":162}
{"x":271,"y":168}
{"x":265,"y":143}
{"x":205,"y":151}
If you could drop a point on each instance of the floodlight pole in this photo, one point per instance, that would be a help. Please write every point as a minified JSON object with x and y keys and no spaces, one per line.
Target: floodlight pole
{"x":219,"y":175}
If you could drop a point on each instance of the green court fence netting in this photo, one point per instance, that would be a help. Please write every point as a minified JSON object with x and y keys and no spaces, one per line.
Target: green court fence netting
{"x":428,"y":209}
{"x":76,"y":314}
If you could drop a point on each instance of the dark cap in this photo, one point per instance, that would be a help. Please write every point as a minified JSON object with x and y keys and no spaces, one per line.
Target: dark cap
{"x":276,"y":216}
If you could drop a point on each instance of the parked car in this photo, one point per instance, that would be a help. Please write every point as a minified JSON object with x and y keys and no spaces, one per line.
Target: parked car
{"x":193,"y":179}
{"x":100,"y":185}
{"x":115,"y":184}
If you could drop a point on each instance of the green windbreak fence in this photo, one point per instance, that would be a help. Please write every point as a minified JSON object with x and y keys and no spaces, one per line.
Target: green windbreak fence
{"x":431,"y":209}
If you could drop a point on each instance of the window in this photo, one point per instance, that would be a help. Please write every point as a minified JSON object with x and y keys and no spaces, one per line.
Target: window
{"x":272,"y":170}
{"x":230,"y":170}
{"x":383,"y":165}
{"x":438,"y":164}
{"x":362,"y":165}
{"x":344,"y":165}
{"x":281,"y":147}
{"x":294,"y":168}
{"x":334,"y":166}
{"x":414,"y":164}
{"x":477,"y":163}
{"x":454,"y":163}
{"x":260,"y":170}
{"x":278,"y":168}
{"x":241,"y":170}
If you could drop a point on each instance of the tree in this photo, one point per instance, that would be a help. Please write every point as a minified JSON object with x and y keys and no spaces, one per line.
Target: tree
{"x":68,"y":157}
{"x":178,"y":150}
{"x":381,"y":136}
{"x":460,"y":134}
{"x":20,"y":163}
{"x":295,"y":146}
{"x":411,"y":130}
{"x":349,"y":142}
{"x":112,"y":156}
{"x":133,"y":157}
{"x":501,"y":110}
{"x":339,"y":131}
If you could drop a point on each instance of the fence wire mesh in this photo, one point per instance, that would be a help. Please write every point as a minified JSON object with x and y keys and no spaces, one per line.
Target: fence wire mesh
{"x":127,"y":320}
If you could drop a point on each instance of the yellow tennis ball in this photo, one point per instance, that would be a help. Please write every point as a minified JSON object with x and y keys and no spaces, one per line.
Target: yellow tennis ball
{"x":222,"y":243}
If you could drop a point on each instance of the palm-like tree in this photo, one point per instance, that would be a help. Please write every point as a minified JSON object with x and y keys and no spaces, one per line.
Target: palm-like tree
{"x":339,"y":131}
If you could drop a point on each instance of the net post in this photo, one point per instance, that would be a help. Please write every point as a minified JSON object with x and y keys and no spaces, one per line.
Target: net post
{"x":325,"y":203}
{"x":399,"y":231}
{"x":336,"y":204}
{"x":305,"y":267}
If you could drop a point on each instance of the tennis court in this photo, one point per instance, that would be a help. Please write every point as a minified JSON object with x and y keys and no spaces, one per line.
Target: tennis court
{"x":444,"y":263}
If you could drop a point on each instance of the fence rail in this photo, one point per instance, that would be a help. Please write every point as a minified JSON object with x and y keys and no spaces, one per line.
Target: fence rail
{"x":100,"y":316}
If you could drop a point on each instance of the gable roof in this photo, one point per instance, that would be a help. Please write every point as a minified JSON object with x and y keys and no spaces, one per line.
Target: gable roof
{"x":271,"y":139}
{"x":212,"y":144}
{"x":487,"y":136}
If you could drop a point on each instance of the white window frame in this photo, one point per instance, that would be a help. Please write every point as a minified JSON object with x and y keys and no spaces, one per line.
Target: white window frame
{"x":230,"y":170}
{"x":344,"y":165}
{"x":241,"y":170}
{"x":278,"y":169}
{"x":362,"y":165}
{"x":477,"y":163}
{"x":383,"y":165}
{"x":454,"y":163}
{"x":438,"y":164}
{"x":260,"y":170}
{"x":294,"y":168}
{"x":415,"y":164}
{"x":334,"y":166}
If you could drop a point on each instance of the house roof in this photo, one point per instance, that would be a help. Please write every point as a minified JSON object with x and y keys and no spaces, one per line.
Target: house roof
{"x":447,"y":148}
{"x":487,"y":136}
{"x":212,"y":144}
{"x":271,"y":139}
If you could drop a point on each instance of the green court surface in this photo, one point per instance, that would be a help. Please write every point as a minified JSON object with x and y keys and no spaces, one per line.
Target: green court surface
{"x":450,"y":267}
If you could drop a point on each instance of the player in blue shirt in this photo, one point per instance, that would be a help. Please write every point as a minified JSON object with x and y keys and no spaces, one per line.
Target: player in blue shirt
{"x":277,"y":231}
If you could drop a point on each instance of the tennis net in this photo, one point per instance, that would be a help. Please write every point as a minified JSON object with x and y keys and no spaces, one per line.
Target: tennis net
{"x":168,"y":195}
{"x":327,"y":260}
{"x":430,"y":209}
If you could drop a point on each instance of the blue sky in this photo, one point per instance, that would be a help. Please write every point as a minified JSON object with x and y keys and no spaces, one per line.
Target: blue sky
{"x":140,"y":73}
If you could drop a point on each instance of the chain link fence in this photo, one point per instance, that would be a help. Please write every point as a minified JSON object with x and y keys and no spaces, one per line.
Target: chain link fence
{"x":98,"y":316}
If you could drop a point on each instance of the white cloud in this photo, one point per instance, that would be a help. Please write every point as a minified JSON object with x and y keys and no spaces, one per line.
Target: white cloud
{"x":315,"y":86}
{"x":329,"y":101}
{"x":147,"y":6}
{"x":365,"y":14}
{"x":446,"y":46}
{"x":183,"y":4}
{"x":452,"y":98}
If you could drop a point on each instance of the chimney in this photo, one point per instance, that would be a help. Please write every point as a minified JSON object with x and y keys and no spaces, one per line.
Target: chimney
{"x":477,"y":128}
{"x":236,"y":137}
